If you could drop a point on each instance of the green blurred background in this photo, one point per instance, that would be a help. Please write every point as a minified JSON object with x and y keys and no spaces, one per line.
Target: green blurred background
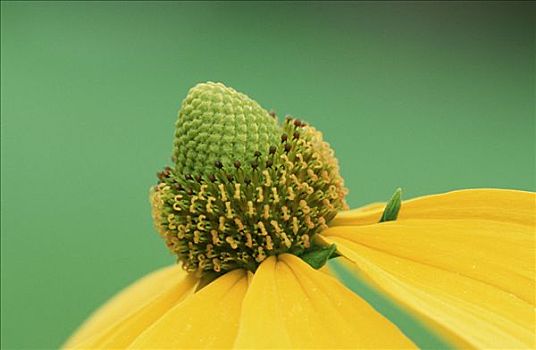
{"x":427,"y":96}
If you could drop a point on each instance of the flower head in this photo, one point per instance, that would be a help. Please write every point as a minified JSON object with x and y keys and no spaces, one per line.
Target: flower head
{"x":253,"y":209}
{"x":243,"y":187}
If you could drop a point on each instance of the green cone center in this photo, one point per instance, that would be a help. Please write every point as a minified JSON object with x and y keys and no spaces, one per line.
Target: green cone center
{"x":233,"y":207}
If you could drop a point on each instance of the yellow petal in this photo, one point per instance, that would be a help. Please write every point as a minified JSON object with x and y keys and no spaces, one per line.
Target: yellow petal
{"x":496,"y":253}
{"x":489,"y":204}
{"x":160,"y":288}
{"x":207,"y":319}
{"x":261,"y":322}
{"x":291,"y":305}
{"x":369,"y":214}
{"x":472,"y":277}
{"x":417,"y":328}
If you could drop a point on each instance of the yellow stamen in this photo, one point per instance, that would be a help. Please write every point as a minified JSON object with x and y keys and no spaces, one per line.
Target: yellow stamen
{"x":249,"y":240}
{"x":260,"y":196}
{"x":210,"y":202}
{"x":200,"y":224}
{"x":260,"y":255}
{"x":237,"y":191}
{"x":202,"y":191}
{"x":228,"y":209}
{"x":266,"y":213}
{"x":231,"y":242}
{"x":196,"y":236}
{"x":275,"y":195}
{"x":305,"y":208}
{"x":267,"y":178}
{"x":239,"y":224}
{"x":251,"y":210}
{"x":223,"y":193}
{"x":286,"y":216}
{"x":309,"y":222}
{"x":306,"y":241}
{"x":291,"y":195}
{"x":262,"y":228}
{"x":269,"y":243}
{"x":295,"y":226}
{"x":181,"y":231}
{"x":217,"y":264}
{"x":215,"y":239}
{"x":192,"y":204}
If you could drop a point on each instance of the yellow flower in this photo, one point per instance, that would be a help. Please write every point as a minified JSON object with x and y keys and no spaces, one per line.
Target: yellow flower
{"x":461,"y":262}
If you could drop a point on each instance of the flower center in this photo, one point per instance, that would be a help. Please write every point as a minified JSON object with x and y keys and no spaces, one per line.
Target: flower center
{"x":217,"y":123}
{"x":264,"y":190}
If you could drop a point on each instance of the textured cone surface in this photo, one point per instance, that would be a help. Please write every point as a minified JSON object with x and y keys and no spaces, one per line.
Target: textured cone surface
{"x":244,"y":187}
{"x":217,"y":123}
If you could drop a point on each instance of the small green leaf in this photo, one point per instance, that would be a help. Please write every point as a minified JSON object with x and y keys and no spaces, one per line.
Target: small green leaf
{"x":392,"y":208}
{"x":317,"y":257}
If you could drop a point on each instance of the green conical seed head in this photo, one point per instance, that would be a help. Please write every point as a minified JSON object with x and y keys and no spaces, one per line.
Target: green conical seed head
{"x":217,"y":123}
